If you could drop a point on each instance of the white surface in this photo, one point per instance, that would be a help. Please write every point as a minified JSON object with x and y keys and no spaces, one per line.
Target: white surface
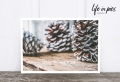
{"x":61,"y":8}
{"x":12,"y":10}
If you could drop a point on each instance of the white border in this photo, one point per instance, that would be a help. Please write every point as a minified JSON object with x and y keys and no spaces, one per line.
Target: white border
{"x":99,"y":26}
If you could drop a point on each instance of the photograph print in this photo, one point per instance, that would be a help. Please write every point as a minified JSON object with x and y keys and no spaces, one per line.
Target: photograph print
{"x":60,"y":46}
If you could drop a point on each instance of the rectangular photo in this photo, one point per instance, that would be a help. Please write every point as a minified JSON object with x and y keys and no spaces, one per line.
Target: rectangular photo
{"x":60,"y":45}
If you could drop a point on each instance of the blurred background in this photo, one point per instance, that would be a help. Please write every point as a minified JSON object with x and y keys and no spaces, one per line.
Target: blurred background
{"x":37,"y":27}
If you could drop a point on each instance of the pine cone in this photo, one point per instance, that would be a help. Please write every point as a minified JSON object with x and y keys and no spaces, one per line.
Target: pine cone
{"x":31,"y":45}
{"x":85,"y":40}
{"x":58,"y":36}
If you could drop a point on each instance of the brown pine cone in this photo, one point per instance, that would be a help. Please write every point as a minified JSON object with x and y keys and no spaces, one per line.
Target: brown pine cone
{"x":85,"y":40}
{"x":58,"y":36}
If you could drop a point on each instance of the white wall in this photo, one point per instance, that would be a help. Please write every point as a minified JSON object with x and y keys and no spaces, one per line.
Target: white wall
{"x":61,"y":8}
{"x":12,"y":10}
